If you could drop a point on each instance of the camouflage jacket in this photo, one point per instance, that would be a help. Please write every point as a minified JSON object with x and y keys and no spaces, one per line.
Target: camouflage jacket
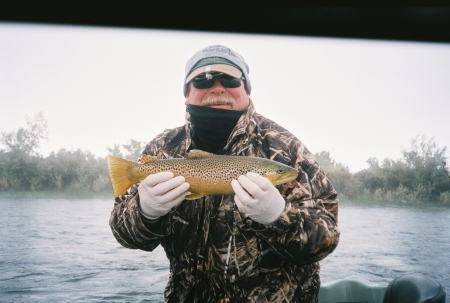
{"x":216,"y":253}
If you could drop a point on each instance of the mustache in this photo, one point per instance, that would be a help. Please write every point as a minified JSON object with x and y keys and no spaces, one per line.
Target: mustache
{"x":219,"y":100}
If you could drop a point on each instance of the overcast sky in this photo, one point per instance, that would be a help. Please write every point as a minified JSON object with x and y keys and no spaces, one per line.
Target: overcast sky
{"x":103,"y":86}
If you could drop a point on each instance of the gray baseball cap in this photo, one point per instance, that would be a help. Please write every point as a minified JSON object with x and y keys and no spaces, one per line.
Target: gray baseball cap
{"x":217,"y":58}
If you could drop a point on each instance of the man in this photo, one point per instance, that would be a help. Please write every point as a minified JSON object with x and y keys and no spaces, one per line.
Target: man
{"x":261,"y":244}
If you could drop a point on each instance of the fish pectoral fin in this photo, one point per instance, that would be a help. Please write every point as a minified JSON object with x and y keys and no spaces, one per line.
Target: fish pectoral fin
{"x":198,"y":154}
{"x":194,"y":196}
{"x":147,"y":158}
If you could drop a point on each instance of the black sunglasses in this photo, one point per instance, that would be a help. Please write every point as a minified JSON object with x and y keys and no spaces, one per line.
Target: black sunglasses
{"x":208,"y":80}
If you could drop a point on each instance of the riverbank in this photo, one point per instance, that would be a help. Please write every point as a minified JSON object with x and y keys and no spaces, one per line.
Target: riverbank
{"x":53,"y":194}
{"x":78,"y":194}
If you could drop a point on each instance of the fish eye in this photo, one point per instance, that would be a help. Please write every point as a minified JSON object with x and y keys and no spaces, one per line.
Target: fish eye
{"x":280,"y":171}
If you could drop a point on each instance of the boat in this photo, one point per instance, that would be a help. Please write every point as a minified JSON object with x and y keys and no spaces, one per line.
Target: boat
{"x":409,"y":288}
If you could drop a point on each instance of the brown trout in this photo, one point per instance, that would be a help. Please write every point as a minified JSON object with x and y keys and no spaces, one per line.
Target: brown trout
{"x":206,"y":173}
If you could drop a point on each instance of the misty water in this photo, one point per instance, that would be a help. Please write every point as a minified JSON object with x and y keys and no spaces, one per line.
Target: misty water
{"x":57,"y":250}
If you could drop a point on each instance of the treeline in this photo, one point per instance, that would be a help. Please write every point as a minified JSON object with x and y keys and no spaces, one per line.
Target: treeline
{"x":72,"y":173}
{"x":63,"y":173}
{"x":420,"y":176}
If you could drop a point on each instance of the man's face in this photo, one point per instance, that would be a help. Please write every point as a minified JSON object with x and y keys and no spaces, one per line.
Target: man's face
{"x":218,"y":96}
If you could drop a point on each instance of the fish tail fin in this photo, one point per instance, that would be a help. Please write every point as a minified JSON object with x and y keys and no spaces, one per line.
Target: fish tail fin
{"x":122,"y":174}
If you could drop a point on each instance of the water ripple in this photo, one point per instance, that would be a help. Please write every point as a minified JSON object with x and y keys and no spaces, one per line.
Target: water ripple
{"x":56,"y":251}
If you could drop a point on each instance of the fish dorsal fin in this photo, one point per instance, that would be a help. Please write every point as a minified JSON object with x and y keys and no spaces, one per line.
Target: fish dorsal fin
{"x":198,"y":154}
{"x":147,"y":159}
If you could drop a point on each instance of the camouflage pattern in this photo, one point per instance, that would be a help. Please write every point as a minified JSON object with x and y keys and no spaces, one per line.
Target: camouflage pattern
{"x":216,"y":253}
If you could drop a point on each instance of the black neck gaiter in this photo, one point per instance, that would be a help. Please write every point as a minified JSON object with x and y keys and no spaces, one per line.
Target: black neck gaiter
{"x":212,"y":126}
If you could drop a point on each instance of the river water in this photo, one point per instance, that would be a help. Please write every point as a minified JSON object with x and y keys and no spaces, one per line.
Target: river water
{"x":57,"y":250}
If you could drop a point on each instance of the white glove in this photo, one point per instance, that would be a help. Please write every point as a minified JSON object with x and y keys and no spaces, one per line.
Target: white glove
{"x":258,"y":198}
{"x":159,"y":192}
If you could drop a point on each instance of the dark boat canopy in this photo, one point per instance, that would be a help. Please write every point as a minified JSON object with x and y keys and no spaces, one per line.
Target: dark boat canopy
{"x":426,"y":23}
